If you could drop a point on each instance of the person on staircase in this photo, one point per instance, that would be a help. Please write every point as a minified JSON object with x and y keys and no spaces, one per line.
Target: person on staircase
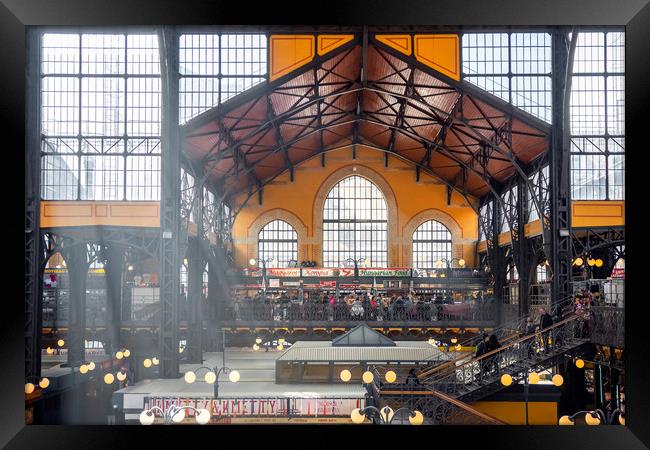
{"x":481,"y":349}
{"x":493,"y":344}
{"x":545,"y":321}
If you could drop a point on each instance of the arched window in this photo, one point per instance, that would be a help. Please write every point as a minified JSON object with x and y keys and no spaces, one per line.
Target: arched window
{"x":277,"y":240}
{"x":541,"y":274}
{"x":431,"y":243}
{"x":355,"y":224}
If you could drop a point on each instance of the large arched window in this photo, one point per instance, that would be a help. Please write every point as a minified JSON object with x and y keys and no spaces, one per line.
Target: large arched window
{"x":355,"y":224}
{"x":278,"y":240}
{"x":431,"y":243}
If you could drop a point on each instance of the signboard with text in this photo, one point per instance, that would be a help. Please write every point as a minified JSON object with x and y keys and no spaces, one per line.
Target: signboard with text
{"x":307,"y":272}
{"x":260,"y":407}
{"x":376,"y":272}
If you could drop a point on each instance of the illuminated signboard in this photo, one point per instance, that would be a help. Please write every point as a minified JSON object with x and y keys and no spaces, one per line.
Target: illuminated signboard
{"x":319,"y":272}
{"x":372,"y":272}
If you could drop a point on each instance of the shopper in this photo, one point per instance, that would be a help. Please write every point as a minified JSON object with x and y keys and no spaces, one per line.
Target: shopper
{"x":545,"y":321}
{"x":412,"y":380}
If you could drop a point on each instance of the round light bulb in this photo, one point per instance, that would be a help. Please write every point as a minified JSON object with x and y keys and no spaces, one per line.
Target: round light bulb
{"x":190,"y":377}
{"x":258,"y":340}
{"x":45,"y":382}
{"x":256,"y":347}
{"x":557,"y":379}
{"x":29,"y":388}
{"x":83,"y":368}
{"x":533,"y":378}
{"x":127,"y":353}
{"x":599,"y":262}
{"x":280,"y":347}
{"x":592,"y":420}
{"x":461,"y":262}
{"x":60,"y":342}
{"x":367,"y":377}
{"x":454,"y":340}
{"x":391,"y":376}
{"x":119,"y":355}
{"x":49,"y":350}
{"x":281,"y":341}
{"x":578,"y":262}
{"x":252,"y":261}
{"x":147,"y":363}
{"x":417,"y":418}
{"x":442,"y":275}
{"x":234,"y":376}
{"x":179,"y":416}
{"x":181,"y":349}
{"x":121,"y":376}
{"x":565,"y":420}
{"x":91,"y":365}
{"x":202,"y":416}
{"x":432,"y":341}
{"x":459,"y":347}
{"x":506,"y":379}
{"x":591,"y":262}
{"x":356,"y":416}
{"x":155,"y":361}
{"x":621,"y":419}
{"x":345,"y":375}
{"x":109,"y":378}
{"x":580,"y":363}
{"x":210,"y":377}
{"x":146,"y":418}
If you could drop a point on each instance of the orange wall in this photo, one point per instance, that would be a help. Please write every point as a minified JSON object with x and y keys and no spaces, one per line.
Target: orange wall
{"x":592,"y":213}
{"x":514,"y":413}
{"x":89,"y":213}
{"x":411,"y":197}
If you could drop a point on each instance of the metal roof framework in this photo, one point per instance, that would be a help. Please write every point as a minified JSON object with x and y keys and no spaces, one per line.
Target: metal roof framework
{"x":365,"y":93}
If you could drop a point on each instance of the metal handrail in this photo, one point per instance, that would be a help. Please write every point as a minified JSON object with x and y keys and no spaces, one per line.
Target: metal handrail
{"x":469,"y":342}
{"x":459,"y":404}
{"x":562,"y":331}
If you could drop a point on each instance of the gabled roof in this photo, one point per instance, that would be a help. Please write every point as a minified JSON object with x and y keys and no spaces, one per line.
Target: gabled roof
{"x":471,"y":140}
{"x":362,"y":336}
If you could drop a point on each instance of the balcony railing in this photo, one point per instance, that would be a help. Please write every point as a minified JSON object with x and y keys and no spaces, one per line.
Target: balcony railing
{"x":420,"y":312}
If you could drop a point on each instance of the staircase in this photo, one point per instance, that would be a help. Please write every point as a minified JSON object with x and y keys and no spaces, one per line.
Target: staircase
{"x":479,"y":377}
{"x":445,"y":389}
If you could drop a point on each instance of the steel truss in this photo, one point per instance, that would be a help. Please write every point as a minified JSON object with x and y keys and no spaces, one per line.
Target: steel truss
{"x":33,"y":236}
{"x":314,"y":114}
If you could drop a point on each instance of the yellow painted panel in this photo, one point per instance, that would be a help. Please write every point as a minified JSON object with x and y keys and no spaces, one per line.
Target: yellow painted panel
{"x":75,"y":209}
{"x":514,"y":413}
{"x":533,"y":228}
{"x":399,"y":42}
{"x":441,"y":52}
{"x":589,"y":213}
{"x":128,"y":210}
{"x":504,"y":238}
{"x":288,"y":52}
{"x":329,"y":42}
{"x":75,"y":214}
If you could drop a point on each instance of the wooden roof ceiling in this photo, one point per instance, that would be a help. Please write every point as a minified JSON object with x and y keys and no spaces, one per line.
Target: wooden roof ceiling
{"x":471,"y":140}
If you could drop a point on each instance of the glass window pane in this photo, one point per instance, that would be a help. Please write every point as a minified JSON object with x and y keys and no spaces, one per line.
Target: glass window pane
{"x":355,"y":224}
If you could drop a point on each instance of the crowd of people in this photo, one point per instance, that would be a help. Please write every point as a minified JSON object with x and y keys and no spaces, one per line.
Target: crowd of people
{"x":354,"y":306}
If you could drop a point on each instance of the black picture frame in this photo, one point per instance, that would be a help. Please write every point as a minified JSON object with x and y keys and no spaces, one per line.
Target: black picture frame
{"x":16,"y":15}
